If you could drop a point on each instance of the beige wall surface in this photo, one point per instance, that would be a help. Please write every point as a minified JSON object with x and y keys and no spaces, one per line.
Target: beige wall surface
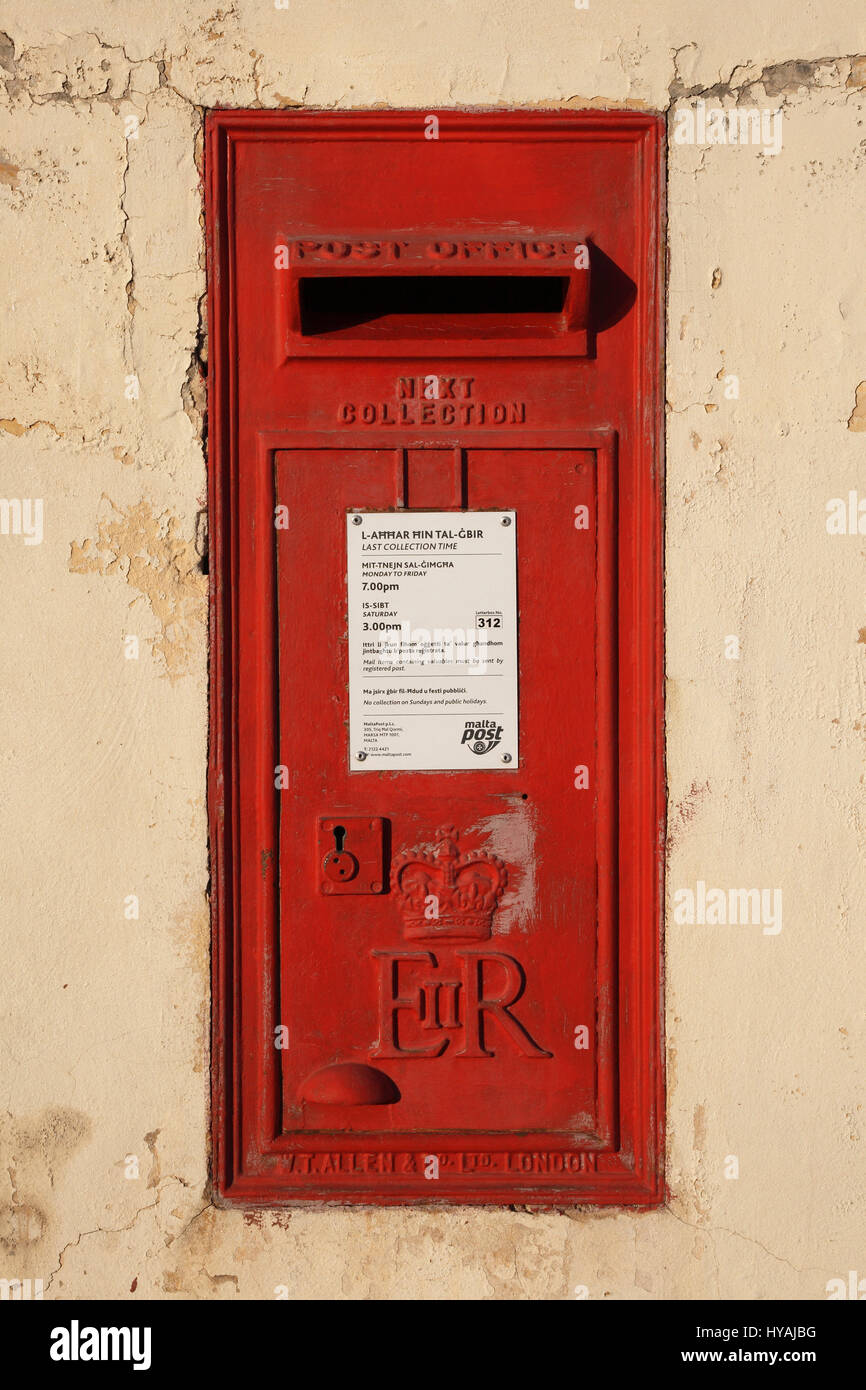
{"x":105,"y":1013}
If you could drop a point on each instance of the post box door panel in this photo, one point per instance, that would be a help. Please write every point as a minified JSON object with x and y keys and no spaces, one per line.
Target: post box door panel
{"x":507,"y":1022}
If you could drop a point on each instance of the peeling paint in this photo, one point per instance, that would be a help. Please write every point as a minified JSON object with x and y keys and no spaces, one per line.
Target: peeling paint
{"x":149,"y":552}
{"x":857,"y":418}
{"x":511,"y":835}
{"x":683,"y":812}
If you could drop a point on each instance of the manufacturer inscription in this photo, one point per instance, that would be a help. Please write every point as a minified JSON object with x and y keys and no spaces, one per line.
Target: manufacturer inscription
{"x":356,"y":1164}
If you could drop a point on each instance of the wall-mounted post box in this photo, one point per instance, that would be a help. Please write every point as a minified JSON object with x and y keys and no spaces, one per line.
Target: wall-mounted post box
{"x":436,"y":771}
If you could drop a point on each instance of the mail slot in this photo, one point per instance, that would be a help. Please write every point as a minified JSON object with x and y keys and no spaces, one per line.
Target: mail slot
{"x":436,"y":781}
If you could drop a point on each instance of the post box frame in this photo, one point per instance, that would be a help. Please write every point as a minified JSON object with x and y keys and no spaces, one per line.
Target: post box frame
{"x":247,"y":1150}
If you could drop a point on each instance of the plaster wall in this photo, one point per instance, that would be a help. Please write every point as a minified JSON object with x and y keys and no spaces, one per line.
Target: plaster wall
{"x":105,"y":1018}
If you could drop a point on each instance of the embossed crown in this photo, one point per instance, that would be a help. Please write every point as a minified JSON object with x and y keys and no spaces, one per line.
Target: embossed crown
{"x":448,"y":895}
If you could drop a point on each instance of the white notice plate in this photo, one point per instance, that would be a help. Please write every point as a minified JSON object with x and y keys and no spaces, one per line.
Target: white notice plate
{"x":432,"y":640}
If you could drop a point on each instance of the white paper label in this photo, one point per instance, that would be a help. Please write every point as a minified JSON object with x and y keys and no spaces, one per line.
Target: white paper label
{"x":432,"y":640}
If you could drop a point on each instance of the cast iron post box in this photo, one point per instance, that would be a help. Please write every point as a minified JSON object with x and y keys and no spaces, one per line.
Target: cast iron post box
{"x":436,"y":767}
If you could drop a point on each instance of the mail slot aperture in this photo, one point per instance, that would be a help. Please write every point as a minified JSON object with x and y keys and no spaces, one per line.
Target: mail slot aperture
{"x":372,"y":295}
{"x":444,"y":304}
{"x":436,"y":774}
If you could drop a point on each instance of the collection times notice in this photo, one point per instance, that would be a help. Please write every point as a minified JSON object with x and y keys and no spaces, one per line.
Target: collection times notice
{"x":432,"y":640}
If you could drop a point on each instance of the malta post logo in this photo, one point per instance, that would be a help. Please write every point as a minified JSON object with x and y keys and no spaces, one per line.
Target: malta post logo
{"x":482,"y":735}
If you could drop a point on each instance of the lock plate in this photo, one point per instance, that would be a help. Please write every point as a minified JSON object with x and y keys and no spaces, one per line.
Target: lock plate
{"x":351,"y":854}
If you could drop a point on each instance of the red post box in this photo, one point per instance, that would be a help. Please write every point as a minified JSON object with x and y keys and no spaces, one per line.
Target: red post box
{"x":436,"y":746}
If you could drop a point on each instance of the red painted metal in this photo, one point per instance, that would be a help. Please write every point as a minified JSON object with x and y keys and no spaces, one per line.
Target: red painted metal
{"x":351,"y":854}
{"x":510,"y":1051}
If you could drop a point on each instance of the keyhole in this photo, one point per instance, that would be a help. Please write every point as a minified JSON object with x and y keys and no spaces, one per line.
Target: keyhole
{"x":339,"y":837}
